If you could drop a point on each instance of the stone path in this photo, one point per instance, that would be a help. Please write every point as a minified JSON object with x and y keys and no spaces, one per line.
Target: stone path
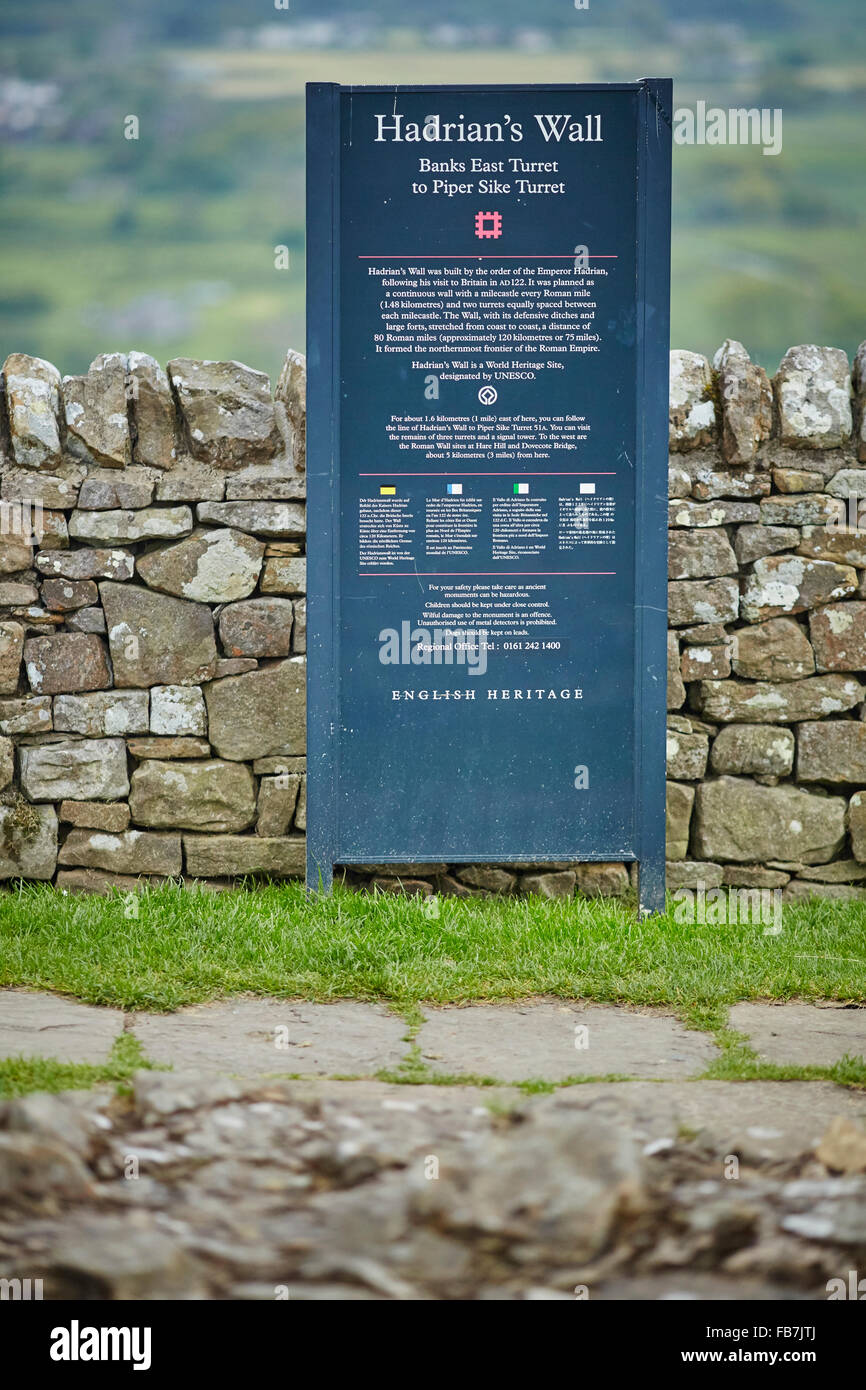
{"x":249,"y":1185}
{"x":543,"y":1039}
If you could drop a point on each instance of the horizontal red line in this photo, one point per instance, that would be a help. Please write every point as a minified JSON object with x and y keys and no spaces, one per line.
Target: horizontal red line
{"x":478,"y":256}
{"x":502,"y":574}
{"x":476,"y":473}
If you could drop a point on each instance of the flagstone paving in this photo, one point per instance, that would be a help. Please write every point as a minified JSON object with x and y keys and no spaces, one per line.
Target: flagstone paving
{"x":805,"y":1034}
{"x":47,"y":1025}
{"x":259,"y":1037}
{"x":552,"y":1040}
{"x":252,"y":1187}
{"x":541,"y":1039}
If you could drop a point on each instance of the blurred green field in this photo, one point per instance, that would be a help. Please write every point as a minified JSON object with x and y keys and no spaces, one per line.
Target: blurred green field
{"x":166,"y":243}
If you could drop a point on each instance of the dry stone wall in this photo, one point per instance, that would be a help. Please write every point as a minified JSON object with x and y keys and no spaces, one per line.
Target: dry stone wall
{"x":153,"y":626}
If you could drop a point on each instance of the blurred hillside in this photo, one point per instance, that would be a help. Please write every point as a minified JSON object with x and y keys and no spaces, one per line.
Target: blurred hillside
{"x":166,"y":243}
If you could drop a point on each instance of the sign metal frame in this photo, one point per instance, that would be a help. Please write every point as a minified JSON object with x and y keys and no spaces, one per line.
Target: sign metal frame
{"x":652,"y":295}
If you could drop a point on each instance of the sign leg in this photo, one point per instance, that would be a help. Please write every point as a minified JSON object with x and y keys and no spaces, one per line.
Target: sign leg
{"x":651,"y":886}
{"x":320,"y":875}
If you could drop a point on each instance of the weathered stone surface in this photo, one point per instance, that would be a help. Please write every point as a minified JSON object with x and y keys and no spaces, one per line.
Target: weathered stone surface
{"x":754,"y":542}
{"x":554,"y":884}
{"x":778,"y":650}
{"x":756,"y":749}
{"x":16,"y":553}
{"x":29,"y":715}
{"x":840,"y":871}
{"x":99,"y":882}
{"x":834,"y":751}
{"x":212,"y":795}
{"x":164,"y":747}
{"x":710,"y":482}
{"x":679,"y":802}
{"x":117,"y":527}
{"x":191,"y":481}
{"x":259,"y":714}
{"x":53,"y":531}
{"x":262,"y":518}
{"x":277,"y":799}
{"x":768,"y":702}
{"x":272,"y":481}
{"x":299,"y":630}
{"x":859,"y":383}
{"x":103,"y":713}
{"x":290,"y":396}
{"x":12,"y":593}
{"x":57,"y":490}
{"x":602,"y":880}
{"x":702,"y":601}
{"x":33,"y":406}
{"x":227,"y":411}
{"x":69,"y":661}
{"x":847,"y":483}
{"x":177,"y":710}
{"x":11,"y":652}
{"x":86,"y":620}
{"x":686,"y":755}
{"x":747,"y":402}
{"x":676,"y":689}
{"x":753,"y":876}
{"x":813,"y":392}
{"x":489,"y":877}
{"x":87,"y":563}
{"x":736,"y":819}
{"x":97,"y":427}
{"x":7,"y":762}
{"x":157,"y":640}
{"x":797,"y":480}
{"x":65,"y":595}
{"x":691,"y":873}
{"x":211,"y":856}
{"x":857,"y":826}
{"x":700,"y":554}
{"x":838,"y":634}
{"x":846,"y":545}
{"x":260,"y":627}
{"x":28,"y":842}
{"x":285,"y":575}
{"x":152,"y":412}
{"x":92,"y":769}
{"x":234,"y":666}
{"x":126,"y":852}
{"x":209,"y":567}
{"x":679,"y":482}
{"x":843,"y":1147}
{"x":281,"y":767}
{"x":106,"y":490}
{"x":692,"y":413}
{"x":34,"y":617}
{"x":801,"y":509}
{"x":705,"y":663}
{"x":802,"y":891}
{"x":791,"y":584}
{"x":719,"y":513}
{"x":96,"y":815}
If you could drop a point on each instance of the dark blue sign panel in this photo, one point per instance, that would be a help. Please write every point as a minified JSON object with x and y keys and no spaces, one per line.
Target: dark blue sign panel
{"x":487,"y":453}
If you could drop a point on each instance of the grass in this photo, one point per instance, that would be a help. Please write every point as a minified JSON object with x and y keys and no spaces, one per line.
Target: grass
{"x":21,"y":1075}
{"x":184,"y":948}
